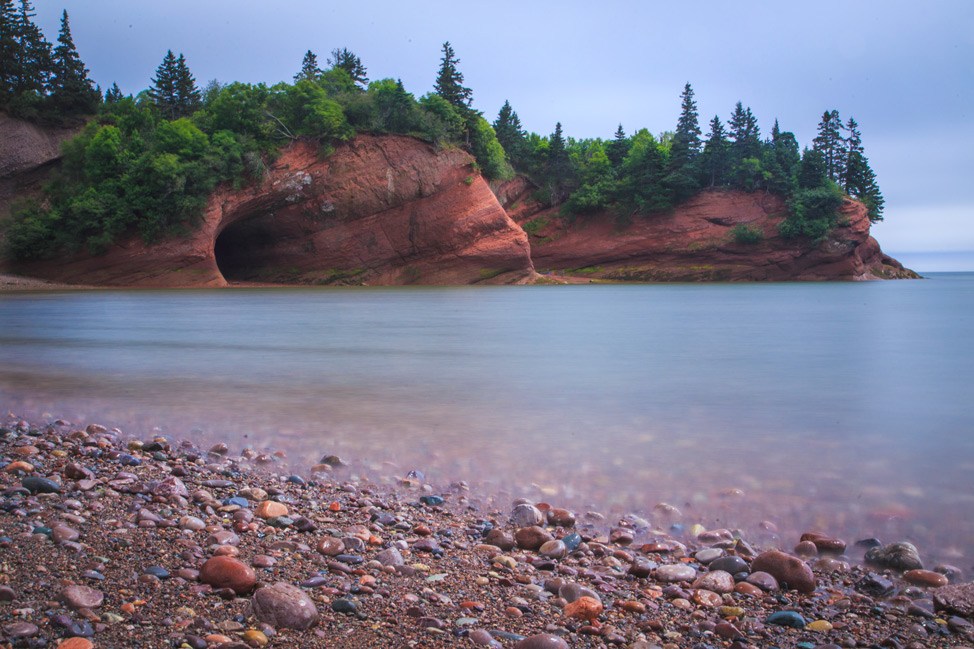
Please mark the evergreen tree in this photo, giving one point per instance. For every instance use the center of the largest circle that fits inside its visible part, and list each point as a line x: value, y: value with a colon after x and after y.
x: 32, y: 67
x: 163, y: 89
x: 715, y: 160
x: 9, y: 50
x: 783, y: 160
x: 188, y: 95
x: 744, y: 132
x: 830, y: 143
x: 859, y: 180
x: 558, y: 167
x: 618, y: 148
x: 681, y: 179
x: 72, y: 92
x: 509, y: 132
x: 309, y: 68
x: 113, y: 95
x: 449, y: 81
x: 813, y: 172
x: 344, y: 59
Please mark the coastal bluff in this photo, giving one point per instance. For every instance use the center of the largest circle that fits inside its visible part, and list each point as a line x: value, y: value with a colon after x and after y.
x: 395, y: 210
x: 695, y: 242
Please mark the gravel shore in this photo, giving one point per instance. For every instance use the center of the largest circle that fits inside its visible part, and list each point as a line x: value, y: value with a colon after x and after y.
x: 111, y: 541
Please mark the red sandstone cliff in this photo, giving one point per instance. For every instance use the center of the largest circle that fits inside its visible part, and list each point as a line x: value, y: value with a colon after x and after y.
x: 379, y: 210
x: 693, y: 242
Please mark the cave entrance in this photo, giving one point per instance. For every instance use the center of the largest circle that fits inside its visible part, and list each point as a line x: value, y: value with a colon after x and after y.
x: 244, y: 251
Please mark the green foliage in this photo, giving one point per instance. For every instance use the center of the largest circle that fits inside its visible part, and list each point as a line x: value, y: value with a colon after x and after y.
x: 813, y: 212
x: 487, y: 150
x: 304, y: 109
x: 746, y: 234
x: 441, y: 119
x: 345, y: 60
x: 449, y: 80
x: 309, y: 68
x: 174, y: 90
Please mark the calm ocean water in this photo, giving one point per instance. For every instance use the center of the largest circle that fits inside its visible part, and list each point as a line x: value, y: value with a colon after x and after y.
x: 844, y: 407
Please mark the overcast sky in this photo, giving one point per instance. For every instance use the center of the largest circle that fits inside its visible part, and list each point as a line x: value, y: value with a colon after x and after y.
x: 903, y: 69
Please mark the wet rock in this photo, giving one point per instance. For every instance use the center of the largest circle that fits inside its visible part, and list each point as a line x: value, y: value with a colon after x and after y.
x: 874, y: 585
x: 20, y: 630
x: 271, y: 509
x: 61, y: 533
x: 786, y: 618
x: 501, y: 538
x: 76, y: 596
x: 926, y: 578
x: 732, y: 564
x: 707, y: 555
x: 7, y: 594
x: 717, y: 581
x: 38, y: 485
x: 824, y: 543
x: 525, y: 515
x: 957, y: 599
x: 898, y: 556
x: 171, y: 487
x: 330, y: 546
x: 674, y: 572
x: 572, y: 591
x: 227, y: 572
x: 542, y: 641
x: 561, y: 517
x: 531, y: 538
x: 555, y: 549
x: 788, y: 570
x: 284, y: 606
x: 75, y: 643
x: 763, y: 580
x: 390, y: 557
x: 347, y: 606
x: 427, y: 545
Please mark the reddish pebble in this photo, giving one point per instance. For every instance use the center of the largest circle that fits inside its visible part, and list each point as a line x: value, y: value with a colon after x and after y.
x: 227, y: 572
x: 584, y: 608
x: 824, y: 543
x: 786, y: 569
x: 542, y: 641
x: 75, y: 643
x: 271, y: 509
x: 926, y: 578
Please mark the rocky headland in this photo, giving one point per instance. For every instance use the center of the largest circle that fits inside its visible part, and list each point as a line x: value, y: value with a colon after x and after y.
x: 392, y: 210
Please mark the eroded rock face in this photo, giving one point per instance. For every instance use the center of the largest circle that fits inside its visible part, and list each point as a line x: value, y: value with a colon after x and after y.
x: 694, y: 242
x: 379, y: 210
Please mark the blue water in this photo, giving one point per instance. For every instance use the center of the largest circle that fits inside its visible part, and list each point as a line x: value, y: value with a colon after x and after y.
x: 845, y: 403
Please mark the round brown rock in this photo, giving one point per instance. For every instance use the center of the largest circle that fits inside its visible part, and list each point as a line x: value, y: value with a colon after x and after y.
x: 542, y: 641
x: 82, y: 596
x: 526, y: 515
x: 284, y: 606
x: 717, y: 581
x: 531, y: 538
x: 786, y: 569
x: 227, y: 572
x: 824, y: 543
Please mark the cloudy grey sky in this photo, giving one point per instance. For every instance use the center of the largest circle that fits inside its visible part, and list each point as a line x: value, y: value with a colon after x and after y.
x: 903, y: 69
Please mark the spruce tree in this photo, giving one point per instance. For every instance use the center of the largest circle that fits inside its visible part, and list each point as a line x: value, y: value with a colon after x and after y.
x: 188, y: 95
x: 715, y: 161
x: 686, y: 139
x: 558, y: 166
x: 33, y: 64
x: 163, y: 89
x: 858, y: 179
x: 617, y: 149
x: 830, y: 143
x: 449, y: 81
x: 344, y: 59
x: 113, y: 95
x: 309, y: 68
x: 72, y: 92
x: 509, y: 132
x: 9, y: 50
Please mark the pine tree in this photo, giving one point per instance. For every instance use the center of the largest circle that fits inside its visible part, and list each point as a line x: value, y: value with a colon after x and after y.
x: 744, y: 132
x: 344, y: 59
x: 786, y: 156
x: 188, y: 95
x: 309, y: 68
x: 617, y: 149
x: 715, y: 161
x: 830, y: 143
x: 449, y: 81
x: 72, y: 92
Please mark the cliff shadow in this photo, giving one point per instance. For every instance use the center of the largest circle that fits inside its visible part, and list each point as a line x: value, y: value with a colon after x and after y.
x: 245, y: 251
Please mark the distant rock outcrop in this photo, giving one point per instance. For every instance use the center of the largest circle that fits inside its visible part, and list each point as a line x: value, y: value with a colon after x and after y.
x: 695, y: 242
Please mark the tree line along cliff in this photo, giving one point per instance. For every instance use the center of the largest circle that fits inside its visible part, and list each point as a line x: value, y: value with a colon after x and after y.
x: 148, y: 163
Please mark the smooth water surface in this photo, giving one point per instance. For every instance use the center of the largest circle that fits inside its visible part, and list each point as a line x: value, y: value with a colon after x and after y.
x: 837, y: 406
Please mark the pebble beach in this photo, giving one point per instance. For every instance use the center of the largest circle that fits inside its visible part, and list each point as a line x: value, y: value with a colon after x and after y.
x: 108, y: 540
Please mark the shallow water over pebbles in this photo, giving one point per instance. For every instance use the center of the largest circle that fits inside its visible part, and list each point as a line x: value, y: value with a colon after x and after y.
x: 838, y: 407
